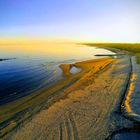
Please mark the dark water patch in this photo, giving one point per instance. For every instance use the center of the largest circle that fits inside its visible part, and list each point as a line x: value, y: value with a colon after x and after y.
x: 28, y: 75
x: 18, y: 66
x: 15, y: 69
x: 24, y: 87
x: 20, y: 78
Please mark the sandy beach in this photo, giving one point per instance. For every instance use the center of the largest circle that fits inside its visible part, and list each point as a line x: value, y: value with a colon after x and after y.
x: 70, y: 70
x: 86, y: 109
x: 29, y: 105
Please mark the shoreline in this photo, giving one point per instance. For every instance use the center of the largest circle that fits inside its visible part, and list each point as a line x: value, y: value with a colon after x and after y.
x: 132, y: 87
x: 68, y: 76
x: 51, y: 95
x: 129, y: 104
x: 85, y: 93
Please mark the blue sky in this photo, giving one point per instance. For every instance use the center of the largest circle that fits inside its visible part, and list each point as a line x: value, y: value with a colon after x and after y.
x: 97, y: 20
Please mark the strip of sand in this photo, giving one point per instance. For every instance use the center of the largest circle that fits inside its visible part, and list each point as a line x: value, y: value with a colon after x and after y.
x: 86, y: 111
x: 14, y: 113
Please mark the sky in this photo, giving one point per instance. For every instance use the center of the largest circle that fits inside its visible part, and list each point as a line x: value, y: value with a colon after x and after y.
x: 91, y: 20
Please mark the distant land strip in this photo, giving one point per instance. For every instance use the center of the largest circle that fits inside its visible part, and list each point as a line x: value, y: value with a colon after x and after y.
x: 4, y: 59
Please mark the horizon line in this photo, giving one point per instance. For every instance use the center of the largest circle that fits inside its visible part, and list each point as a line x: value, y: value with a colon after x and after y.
x: 5, y: 40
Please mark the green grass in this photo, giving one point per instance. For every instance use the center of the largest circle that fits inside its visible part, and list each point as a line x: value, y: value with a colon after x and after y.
x: 133, y: 49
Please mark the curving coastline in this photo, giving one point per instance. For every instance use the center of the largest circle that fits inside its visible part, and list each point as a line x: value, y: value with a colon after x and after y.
x: 73, y: 93
x: 46, y: 97
x: 85, y: 112
x: 129, y: 105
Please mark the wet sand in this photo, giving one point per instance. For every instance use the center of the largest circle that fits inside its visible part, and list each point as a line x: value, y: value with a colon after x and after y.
x: 88, y: 108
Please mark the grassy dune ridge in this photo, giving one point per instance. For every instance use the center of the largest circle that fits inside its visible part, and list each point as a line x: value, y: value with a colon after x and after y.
x: 132, y: 48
